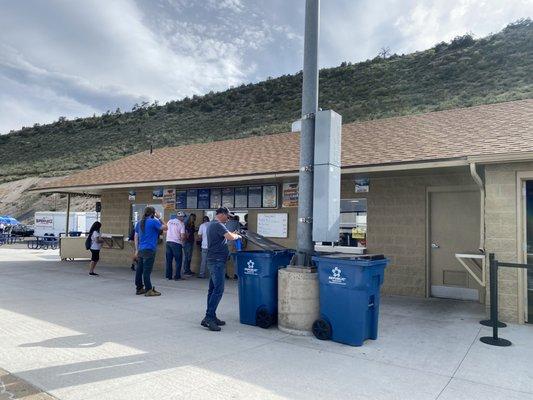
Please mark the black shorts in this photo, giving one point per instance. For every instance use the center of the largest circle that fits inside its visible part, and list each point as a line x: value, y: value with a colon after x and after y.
x: 95, y: 255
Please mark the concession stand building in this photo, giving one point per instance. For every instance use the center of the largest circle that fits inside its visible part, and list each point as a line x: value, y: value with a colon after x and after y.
x: 434, y: 192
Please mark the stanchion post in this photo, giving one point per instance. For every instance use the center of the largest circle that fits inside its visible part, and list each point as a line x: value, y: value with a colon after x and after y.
x: 493, y: 277
x: 494, y: 340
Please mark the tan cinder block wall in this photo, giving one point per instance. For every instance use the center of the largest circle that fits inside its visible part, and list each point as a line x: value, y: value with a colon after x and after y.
x: 396, y: 225
x: 501, y: 233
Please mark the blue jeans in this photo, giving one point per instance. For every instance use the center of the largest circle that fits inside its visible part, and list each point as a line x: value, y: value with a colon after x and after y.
x: 188, y: 247
x: 203, y: 263
x: 173, y: 252
x: 216, y: 286
x: 145, y: 264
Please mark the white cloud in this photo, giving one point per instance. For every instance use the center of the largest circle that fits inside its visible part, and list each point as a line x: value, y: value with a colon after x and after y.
x: 76, y: 58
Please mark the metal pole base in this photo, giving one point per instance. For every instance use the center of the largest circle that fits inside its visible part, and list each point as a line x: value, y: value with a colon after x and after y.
x: 488, y: 322
x: 495, y: 342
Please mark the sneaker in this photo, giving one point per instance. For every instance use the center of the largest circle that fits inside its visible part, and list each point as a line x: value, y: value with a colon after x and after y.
x: 93, y: 274
x: 152, y: 292
x: 190, y: 273
x: 210, y: 324
x: 219, y: 322
x: 140, y: 290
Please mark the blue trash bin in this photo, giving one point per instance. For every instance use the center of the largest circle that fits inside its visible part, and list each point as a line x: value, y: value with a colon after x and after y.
x: 349, y: 290
x: 258, y: 285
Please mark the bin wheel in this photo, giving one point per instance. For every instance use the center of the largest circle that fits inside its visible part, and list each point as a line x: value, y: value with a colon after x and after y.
x: 322, y: 329
x: 264, y: 319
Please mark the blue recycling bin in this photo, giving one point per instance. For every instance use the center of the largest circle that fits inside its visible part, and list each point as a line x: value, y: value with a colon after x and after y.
x: 349, y: 289
x: 258, y: 285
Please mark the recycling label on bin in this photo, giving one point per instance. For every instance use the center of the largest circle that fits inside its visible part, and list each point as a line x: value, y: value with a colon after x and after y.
x: 250, y: 268
x: 336, y: 277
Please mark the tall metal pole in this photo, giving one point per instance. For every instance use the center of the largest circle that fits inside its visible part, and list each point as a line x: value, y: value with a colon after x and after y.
x: 307, y: 137
x: 67, y: 222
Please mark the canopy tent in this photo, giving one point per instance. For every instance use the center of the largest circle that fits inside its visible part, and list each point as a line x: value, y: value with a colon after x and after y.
x: 6, y: 219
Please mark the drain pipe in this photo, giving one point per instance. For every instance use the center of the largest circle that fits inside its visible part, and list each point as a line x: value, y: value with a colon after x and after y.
x: 479, y: 182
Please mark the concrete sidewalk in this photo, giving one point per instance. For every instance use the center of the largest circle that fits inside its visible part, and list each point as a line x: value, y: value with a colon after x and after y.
x: 81, y: 337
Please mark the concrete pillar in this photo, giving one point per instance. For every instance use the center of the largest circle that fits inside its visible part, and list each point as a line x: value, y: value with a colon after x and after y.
x: 298, y: 305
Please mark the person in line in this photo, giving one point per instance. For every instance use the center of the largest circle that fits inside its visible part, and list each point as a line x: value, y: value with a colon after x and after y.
x: 174, y: 246
x: 202, y: 238
x: 217, y: 255
x: 96, y: 246
x: 233, y: 225
x: 131, y: 239
x: 188, y: 245
x: 147, y: 233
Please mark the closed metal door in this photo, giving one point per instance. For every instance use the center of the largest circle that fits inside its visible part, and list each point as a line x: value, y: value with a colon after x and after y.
x: 454, y: 228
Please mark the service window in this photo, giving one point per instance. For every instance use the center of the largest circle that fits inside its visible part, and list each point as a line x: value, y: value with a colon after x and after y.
x: 137, y: 211
x: 353, y: 222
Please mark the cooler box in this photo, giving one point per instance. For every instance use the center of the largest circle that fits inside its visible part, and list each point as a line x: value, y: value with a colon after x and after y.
x: 349, y: 290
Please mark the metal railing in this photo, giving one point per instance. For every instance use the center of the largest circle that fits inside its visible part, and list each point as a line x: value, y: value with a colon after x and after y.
x: 494, y: 264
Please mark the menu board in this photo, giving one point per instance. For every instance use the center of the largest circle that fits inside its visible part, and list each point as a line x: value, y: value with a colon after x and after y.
x: 290, y: 195
x: 270, y: 196
x: 192, y: 198
x: 241, y: 197
x: 181, y: 199
x: 216, y: 198
x: 255, y: 196
x: 203, y: 198
x: 228, y: 197
x: 169, y: 199
x: 273, y: 225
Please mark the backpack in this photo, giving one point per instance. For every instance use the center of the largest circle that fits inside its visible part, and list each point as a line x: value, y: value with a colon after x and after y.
x: 88, y: 242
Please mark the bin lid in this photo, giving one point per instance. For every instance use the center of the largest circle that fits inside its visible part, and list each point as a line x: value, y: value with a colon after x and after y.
x: 341, y: 256
x: 261, y: 241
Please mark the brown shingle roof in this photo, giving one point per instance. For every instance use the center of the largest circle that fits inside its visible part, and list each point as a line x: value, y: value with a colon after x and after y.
x: 481, y: 130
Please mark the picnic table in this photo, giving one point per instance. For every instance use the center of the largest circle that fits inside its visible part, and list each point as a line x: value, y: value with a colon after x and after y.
x: 43, y: 242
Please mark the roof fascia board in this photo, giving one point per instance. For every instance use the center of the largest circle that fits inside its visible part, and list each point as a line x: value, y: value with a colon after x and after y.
x: 188, y: 182
x: 406, y: 167
x: 183, y: 182
x: 501, y: 158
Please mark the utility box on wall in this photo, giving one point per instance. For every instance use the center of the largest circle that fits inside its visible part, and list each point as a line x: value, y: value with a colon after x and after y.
x: 327, y: 177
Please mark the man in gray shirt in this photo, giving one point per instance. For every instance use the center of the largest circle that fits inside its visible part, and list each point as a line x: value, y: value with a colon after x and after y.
x: 217, y: 255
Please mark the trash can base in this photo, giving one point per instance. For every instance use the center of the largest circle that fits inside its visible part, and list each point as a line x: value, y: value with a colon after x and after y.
x: 322, y: 329
x: 264, y: 319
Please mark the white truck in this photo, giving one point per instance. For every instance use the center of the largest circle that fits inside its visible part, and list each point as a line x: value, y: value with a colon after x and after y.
x: 54, y: 222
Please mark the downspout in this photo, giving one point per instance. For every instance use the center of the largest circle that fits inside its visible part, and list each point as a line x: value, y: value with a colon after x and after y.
x: 479, y: 182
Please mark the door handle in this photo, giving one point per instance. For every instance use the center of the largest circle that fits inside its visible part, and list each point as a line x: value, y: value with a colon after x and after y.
x: 435, y: 246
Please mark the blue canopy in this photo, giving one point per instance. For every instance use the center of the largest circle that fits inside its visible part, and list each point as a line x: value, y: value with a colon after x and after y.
x: 6, y: 219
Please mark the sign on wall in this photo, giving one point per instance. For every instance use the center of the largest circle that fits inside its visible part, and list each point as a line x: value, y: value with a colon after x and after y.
x: 45, y: 222
x: 362, y: 185
x: 181, y: 199
x: 270, y: 196
x: 274, y: 225
x: 169, y: 199
x: 157, y: 193
x: 290, y: 195
x: 203, y: 198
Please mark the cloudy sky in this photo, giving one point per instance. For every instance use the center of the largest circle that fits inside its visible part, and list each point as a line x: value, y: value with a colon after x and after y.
x: 75, y: 58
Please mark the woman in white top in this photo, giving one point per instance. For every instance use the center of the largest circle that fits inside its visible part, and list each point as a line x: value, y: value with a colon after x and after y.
x: 96, y: 245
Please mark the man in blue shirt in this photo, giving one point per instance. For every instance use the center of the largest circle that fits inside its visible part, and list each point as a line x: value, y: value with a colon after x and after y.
x: 147, y: 233
x: 217, y: 255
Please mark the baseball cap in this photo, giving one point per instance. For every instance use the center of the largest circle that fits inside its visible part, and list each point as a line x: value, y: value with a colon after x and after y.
x: 180, y: 214
x: 224, y: 210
